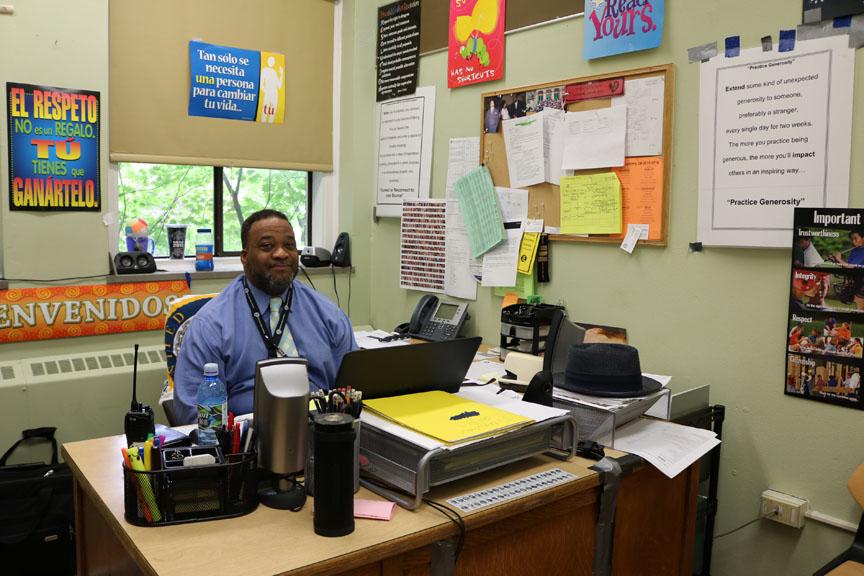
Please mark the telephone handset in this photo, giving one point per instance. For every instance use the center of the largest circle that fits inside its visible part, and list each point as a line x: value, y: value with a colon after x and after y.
x: 435, y: 320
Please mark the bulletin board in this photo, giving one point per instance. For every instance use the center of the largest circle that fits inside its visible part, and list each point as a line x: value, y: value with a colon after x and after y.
x: 640, y: 202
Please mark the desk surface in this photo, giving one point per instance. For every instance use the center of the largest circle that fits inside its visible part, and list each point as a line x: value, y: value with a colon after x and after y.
x: 268, y: 541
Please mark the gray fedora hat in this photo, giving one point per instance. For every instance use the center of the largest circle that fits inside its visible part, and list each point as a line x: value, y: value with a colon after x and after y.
x: 610, y: 370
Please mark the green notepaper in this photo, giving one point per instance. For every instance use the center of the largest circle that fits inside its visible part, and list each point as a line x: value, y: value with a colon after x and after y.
x: 481, y: 211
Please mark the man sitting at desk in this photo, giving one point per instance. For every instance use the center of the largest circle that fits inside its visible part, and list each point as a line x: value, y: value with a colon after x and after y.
x: 234, y: 329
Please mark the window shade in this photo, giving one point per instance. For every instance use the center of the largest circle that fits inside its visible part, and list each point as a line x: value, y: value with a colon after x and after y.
x: 149, y: 82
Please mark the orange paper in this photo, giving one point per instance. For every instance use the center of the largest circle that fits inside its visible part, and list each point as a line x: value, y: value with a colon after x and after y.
x: 510, y: 298
x: 69, y: 311
x: 642, y: 194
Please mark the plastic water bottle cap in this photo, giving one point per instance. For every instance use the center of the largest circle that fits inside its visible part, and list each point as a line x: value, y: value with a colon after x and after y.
x: 211, y: 369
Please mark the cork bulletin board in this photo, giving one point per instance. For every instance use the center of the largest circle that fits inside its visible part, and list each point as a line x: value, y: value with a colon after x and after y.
x: 641, y: 202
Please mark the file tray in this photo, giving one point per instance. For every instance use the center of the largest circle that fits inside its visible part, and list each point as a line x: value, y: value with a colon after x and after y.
x: 404, y: 472
x: 175, y: 495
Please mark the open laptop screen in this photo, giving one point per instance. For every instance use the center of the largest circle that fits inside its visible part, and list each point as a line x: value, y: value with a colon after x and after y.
x: 382, y: 372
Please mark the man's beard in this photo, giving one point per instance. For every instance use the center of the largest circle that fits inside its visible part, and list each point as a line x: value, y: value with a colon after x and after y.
x: 274, y: 286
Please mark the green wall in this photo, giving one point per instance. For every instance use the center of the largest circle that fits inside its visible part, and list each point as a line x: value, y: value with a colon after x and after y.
x: 65, y: 43
x: 716, y: 317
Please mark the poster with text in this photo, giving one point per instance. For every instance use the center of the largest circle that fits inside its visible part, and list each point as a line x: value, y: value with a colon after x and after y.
x: 774, y: 133
x: 475, y: 45
x: 405, y: 130
x: 825, y: 331
x: 236, y: 83
x: 54, y: 148
x: 398, y: 49
x: 620, y: 26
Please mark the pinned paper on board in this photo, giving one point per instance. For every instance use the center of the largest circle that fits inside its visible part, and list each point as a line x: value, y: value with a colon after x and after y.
x: 480, y: 209
x: 523, y: 139
x: 591, y: 204
x: 595, y: 138
x: 642, y: 193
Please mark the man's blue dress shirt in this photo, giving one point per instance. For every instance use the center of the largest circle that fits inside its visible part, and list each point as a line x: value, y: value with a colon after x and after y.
x: 223, y: 332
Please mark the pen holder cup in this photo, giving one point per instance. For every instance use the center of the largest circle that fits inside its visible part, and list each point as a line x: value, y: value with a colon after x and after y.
x: 309, y: 479
x: 177, y: 494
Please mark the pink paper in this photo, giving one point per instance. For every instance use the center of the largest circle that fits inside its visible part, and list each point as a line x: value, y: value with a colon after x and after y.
x: 374, y: 509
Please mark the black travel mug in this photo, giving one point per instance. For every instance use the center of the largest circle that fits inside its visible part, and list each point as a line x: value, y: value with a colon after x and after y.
x: 334, y: 474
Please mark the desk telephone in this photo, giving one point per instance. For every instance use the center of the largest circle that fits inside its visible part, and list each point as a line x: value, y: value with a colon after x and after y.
x: 435, y: 320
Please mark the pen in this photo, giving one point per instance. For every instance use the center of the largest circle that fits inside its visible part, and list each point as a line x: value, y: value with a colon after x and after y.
x: 248, y: 439
x: 235, y: 438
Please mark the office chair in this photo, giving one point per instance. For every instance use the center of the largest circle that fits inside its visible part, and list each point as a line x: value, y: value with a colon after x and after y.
x: 850, y: 562
x: 176, y: 322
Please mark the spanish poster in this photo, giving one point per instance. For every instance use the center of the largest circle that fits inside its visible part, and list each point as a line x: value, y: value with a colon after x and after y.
x: 236, y: 83
x: 398, y: 49
x: 775, y: 132
x: 54, y: 148
x: 475, y: 45
x: 71, y: 311
x: 825, y: 341
x: 620, y: 26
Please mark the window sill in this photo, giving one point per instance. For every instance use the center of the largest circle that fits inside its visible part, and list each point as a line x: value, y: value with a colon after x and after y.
x: 224, y: 268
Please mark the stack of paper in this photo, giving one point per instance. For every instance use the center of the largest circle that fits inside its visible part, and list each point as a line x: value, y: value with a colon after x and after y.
x: 671, y: 448
x: 445, y: 416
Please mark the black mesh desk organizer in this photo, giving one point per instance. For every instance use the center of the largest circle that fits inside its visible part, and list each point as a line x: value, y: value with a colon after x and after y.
x: 189, y: 494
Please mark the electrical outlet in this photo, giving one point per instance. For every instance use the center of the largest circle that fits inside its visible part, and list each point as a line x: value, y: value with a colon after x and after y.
x: 783, y: 508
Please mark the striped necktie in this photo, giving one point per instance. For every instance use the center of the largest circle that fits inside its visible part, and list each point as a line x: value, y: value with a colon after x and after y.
x: 286, y: 342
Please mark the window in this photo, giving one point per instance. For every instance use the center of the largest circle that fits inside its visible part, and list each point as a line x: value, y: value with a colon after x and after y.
x: 204, y: 197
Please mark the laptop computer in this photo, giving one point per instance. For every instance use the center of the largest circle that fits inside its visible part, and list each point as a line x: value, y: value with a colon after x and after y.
x: 382, y: 372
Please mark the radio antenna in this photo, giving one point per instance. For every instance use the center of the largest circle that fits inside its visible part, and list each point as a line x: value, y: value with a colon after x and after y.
x: 135, y: 405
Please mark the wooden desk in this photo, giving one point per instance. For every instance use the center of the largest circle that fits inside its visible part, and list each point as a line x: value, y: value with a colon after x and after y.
x: 550, y: 532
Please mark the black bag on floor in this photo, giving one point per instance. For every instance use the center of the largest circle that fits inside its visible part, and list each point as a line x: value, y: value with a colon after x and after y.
x: 37, y: 513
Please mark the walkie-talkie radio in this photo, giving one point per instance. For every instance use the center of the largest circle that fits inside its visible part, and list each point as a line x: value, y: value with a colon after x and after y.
x: 139, y: 420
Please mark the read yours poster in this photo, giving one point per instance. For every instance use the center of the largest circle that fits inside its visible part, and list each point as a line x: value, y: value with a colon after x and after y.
x: 476, y: 42
x: 620, y: 26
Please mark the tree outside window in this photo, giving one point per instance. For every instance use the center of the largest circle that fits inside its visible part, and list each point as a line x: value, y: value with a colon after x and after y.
x: 195, y: 195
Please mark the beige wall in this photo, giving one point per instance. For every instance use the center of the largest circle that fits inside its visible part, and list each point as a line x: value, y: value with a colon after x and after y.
x: 716, y: 317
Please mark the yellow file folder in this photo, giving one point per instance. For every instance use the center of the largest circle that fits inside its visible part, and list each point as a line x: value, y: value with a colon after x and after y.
x: 445, y: 416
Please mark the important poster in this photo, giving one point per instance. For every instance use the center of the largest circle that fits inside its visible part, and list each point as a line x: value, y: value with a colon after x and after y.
x: 54, y: 145
x: 774, y: 134
x: 236, y: 84
x: 398, y: 48
x: 476, y: 42
x: 620, y: 26
x: 825, y: 341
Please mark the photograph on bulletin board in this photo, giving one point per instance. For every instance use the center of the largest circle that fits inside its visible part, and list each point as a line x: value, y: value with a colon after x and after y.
x: 594, y: 153
x: 825, y: 331
x: 475, y: 44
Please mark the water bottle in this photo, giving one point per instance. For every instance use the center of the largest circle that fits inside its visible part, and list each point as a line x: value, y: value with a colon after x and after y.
x: 204, y: 249
x: 212, y: 405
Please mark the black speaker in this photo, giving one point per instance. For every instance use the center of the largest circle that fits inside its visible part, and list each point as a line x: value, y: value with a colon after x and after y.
x: 341, y: 251
x: 134, y: 263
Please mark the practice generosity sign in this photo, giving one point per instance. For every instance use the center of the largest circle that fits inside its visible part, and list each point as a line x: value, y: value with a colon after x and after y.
x: 70, y: 311
x: 53, y: 148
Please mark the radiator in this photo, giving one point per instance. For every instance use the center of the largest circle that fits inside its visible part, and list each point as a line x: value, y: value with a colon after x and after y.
x: 83, y: 395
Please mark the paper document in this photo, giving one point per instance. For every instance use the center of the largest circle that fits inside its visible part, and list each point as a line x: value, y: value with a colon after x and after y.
x: 526, y: 285
x: 671, y: 448
x: 458, y: 282
x: 642, y: 193
x: 368, y: 340
x: 484, y: 371
x: 523, y: 139
x: 643, y: 98
x: 594, y: 138
x: 591, y: 204
x: 553, y: 144
x: 463, y: 156
x: 499, y: 264
x: 446, y: 417
x: 479, y: 205
x: 423, y: 237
